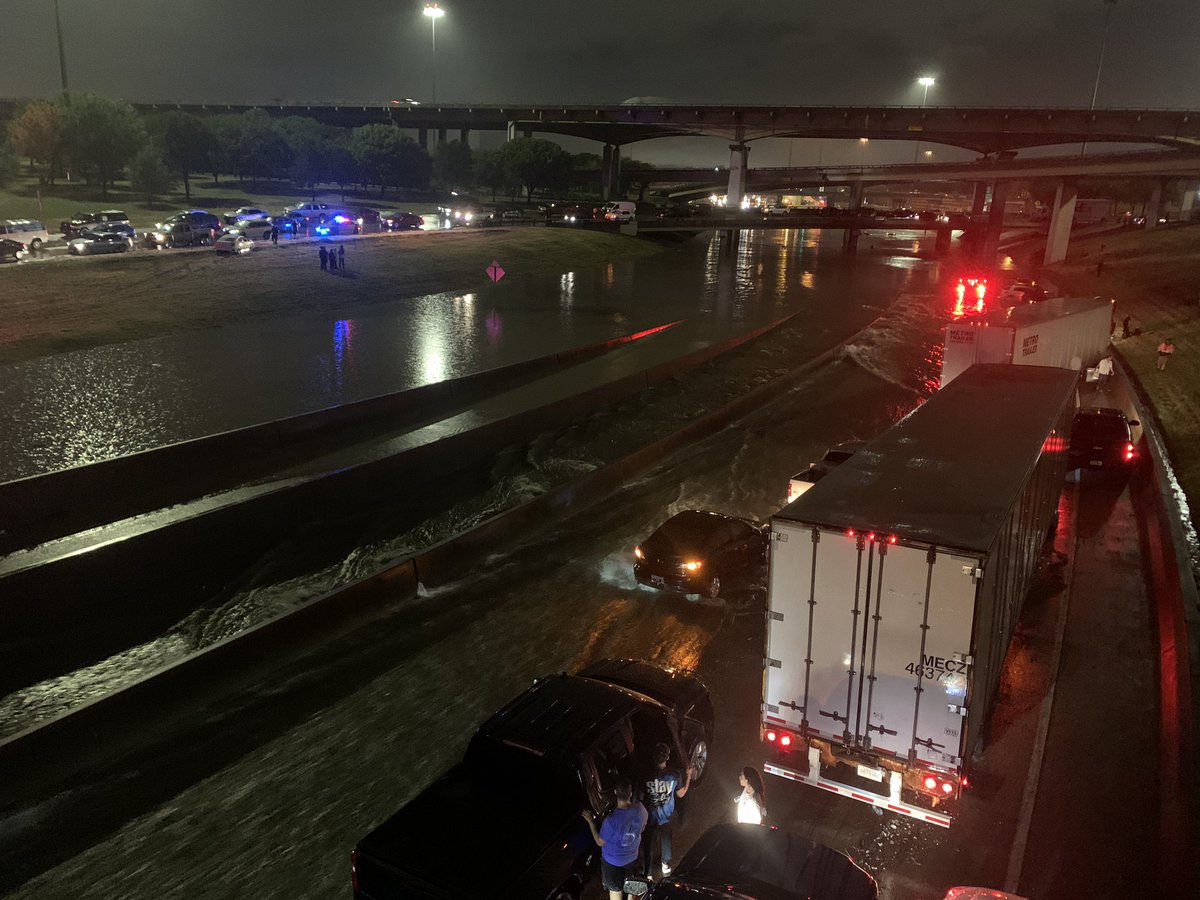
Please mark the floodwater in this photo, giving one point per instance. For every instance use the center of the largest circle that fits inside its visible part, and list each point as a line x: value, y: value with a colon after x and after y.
x: 779, y: 273
x: 90, y: 405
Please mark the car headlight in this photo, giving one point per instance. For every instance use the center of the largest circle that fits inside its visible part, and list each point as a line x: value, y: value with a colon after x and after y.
x: 467, y: 217
x: 360, y: 221
x: 692, y: 565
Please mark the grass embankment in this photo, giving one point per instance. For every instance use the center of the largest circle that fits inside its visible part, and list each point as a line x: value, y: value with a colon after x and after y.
x: 74, y: 303
x: 1155, y: 278
x: 18, y: 200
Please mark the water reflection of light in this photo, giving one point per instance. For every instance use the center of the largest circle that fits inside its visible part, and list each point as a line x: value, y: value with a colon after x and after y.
x: 806, y: 280
x: 609, y: 277
x: 432, y: 349
x: 343, y: 340
x: 566, y: 289
x: 495, y: 327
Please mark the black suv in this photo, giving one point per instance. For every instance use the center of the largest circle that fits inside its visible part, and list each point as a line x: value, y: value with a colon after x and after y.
x: 529, y: 771
x: 1101, y: 439
x: 704, y: 553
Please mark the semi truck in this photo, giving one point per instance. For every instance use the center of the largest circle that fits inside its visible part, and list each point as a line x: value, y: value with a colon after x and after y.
x: 895, y: 584
x: 1065, y: 332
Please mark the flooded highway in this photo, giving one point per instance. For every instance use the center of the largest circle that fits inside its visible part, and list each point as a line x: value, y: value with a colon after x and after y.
x: 90, y: 405
x: 279, y: 818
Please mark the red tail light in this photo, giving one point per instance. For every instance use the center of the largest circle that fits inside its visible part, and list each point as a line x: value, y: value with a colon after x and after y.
x: 947, y: 787
x: 354, y: 870
x: 930, y: 782
x: 785, y: 741
x: 771, y: 736
x: 1128, y: 452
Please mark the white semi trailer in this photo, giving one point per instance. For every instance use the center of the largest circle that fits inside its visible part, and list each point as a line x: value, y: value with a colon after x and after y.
x: 1067, y: 332
x: 895, y: 584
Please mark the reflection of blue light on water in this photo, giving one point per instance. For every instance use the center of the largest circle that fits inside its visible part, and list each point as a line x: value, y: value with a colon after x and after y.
x: 343, y: 337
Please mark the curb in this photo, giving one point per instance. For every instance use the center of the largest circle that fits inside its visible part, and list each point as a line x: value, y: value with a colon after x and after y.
x: 1176, y: 599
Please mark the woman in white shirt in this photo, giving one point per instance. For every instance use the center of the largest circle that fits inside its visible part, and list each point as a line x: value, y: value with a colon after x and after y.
x: 751, y: 802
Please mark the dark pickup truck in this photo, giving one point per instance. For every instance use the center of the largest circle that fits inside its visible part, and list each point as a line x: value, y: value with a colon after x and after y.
x: 505, y: 822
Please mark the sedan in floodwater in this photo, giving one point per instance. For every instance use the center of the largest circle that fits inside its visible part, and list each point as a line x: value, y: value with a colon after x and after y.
x: 89, y: 244
x: 232, y: 244
x: 704, y: 553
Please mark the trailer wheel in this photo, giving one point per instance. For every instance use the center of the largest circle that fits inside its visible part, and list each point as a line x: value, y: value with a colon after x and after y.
x: 698, y: 760
x: 714, y: 588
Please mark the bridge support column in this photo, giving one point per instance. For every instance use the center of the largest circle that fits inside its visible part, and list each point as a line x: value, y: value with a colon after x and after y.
x: 995, y: 223
x: 423, y: 138
x: 464, y: 135
x: 738, y: 160
x: 1154, y: 205
x: 850, y: 235
x: 441, y: 135
x: 610, y: 172
x: 511, y: 134
x: 527, y: 133
x: 979, y: 198
x: 1187, y: 205
x: 942, y: 245
x: 1062, y: 214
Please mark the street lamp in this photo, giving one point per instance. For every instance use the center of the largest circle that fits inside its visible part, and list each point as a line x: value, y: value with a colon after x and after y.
x: 1109, y: 4
x: 62, y: 59
x: 433, y: 12
x: 926, y: 81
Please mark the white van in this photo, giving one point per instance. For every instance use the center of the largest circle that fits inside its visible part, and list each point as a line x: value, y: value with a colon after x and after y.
x: 24, y: 231
x: 620, y: 211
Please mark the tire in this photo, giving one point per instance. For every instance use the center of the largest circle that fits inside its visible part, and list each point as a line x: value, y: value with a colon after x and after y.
x: 698, y: 758
x: 124, y: 248
x: 35, y: 245
x: 565, y: 892
x: 713, y: 591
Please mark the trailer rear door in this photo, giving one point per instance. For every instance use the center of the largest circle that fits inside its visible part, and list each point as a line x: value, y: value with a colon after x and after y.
x: 869, y: 642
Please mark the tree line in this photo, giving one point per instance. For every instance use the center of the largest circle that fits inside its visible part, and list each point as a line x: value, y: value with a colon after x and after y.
x: 101, y: 140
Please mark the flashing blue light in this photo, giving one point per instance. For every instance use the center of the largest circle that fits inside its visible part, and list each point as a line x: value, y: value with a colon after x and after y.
x: 341, y: 220
x: 322, y: 229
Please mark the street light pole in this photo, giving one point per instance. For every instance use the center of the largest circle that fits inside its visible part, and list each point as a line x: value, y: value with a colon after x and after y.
x: 62, y: 59
x: 1108, y: 8
x: 926, y: 82
x: 433, y: 12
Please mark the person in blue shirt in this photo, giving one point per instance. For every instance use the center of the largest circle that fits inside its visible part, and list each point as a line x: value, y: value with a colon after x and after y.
x: 661, y: 790
x: 619, y: 838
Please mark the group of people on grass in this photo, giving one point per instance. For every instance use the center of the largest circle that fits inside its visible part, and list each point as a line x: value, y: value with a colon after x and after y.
x: 638, y: 830
x: 333, y: 260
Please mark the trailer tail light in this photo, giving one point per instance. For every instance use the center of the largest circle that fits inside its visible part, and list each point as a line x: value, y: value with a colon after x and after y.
x: 785, y: 741
x: 849, y: 532
x: 771, y: 736
x: 939, y: 786
x: 891, y: 539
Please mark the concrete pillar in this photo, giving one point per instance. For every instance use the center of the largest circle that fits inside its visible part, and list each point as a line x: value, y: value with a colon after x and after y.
x: 610, y: 172
x: 1187, y: 203
x: 441, y: 135
x: 978, y: 198
x: 995, y: 223
x: 850, y: 235
x: 1062, y: 214
x: 1154, y: 205
x: 464, y: 135
x: 942, y: 245
x: 511, y: 134
x: 738, y: 160
x: 423, y: 137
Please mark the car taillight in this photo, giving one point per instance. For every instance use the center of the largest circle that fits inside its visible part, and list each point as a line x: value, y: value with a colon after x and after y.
x: 1128, y: 452
x: 354, y: 870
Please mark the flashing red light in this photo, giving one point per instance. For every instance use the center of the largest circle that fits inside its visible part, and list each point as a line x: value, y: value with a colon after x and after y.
x: 771, y: 736
x: 785, y: 741
x: 947, y: 787
x: 965, y: 783
x: 930, y: 782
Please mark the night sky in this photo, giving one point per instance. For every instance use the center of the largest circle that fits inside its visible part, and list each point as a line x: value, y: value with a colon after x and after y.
x: 990, y: 52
